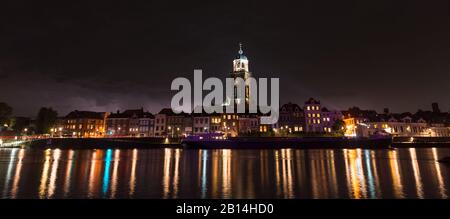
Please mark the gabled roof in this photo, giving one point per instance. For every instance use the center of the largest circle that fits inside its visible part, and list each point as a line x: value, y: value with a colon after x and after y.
x: 148, y: 115
x: 131, y: 113
x: 434, y: 117
x: 170, y: 112
x: 290, y: 107
x: 371, y: 115
x: 224, y: 112
x: 398, y: 117
x: 85, y: 115
x: 312, y: 101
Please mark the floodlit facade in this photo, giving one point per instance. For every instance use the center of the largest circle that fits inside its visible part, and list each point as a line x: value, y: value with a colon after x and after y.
x: 133, y: 122
x: 84, y: 124
x: 395, y: 125
x: 313, y: 116
x: 292, y: 118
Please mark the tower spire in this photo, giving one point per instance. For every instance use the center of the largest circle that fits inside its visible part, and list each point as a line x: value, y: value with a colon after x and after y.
x: 240, y: 70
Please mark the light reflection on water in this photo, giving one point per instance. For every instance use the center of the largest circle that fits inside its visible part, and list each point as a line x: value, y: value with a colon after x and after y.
x: 178, y: 173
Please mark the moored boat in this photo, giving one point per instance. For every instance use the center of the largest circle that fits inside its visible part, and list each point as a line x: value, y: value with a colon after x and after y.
x: 285, y: 142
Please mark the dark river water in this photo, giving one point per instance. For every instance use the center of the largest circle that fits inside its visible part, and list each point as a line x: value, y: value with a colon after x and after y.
x: 178, y: 173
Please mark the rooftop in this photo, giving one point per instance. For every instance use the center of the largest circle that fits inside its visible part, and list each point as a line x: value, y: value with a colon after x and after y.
x: 85, y: 115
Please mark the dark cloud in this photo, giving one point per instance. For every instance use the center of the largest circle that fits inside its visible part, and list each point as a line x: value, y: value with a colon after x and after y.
x: 105, y: 56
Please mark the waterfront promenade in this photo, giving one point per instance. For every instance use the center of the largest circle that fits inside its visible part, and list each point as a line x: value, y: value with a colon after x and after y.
x: 235, y: 143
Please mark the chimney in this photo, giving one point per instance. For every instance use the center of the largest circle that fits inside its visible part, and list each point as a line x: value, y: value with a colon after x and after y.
x: 435, y: 107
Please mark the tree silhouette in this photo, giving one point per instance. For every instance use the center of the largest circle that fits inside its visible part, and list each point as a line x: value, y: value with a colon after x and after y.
x: 46, y: 118
x: 5, y: 113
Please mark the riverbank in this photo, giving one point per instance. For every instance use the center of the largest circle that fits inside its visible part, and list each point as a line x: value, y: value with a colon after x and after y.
x: 289, y: 142
x: 239, y: 143
x: 421, y: 142
x: 103, y: 143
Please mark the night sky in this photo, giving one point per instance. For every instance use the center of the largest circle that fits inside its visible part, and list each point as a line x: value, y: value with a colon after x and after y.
x: 106, y: 56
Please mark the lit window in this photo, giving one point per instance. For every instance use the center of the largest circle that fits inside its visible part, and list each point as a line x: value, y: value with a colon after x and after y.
x: 308, y: 108
x: 309, y: 114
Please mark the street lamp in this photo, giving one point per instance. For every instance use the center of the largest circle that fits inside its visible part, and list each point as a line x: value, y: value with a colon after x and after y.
x: 171, y: 131
x: 25, y: 130
x: 60, y: 131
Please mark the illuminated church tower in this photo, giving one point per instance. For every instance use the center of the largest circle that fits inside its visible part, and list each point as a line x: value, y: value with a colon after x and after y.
x: 240, y: 69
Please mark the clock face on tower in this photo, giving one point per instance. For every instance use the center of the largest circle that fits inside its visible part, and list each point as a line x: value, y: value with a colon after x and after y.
x: 241, y: 61
x: 240, y: 65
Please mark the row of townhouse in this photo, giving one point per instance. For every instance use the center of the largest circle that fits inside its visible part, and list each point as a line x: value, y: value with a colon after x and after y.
x: 101, y: 124
x: 139, y: 123
x: 134, y: 122
x: 81, y: 124
x: 311, y: 118
x: 168, y: 123
x: 365, y: 123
